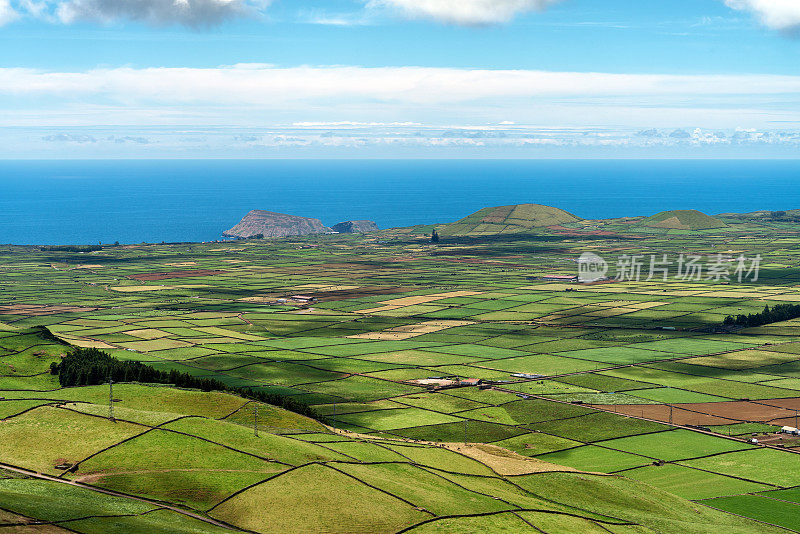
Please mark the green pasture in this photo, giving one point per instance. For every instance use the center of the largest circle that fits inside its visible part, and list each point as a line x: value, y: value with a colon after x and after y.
x: 692, y: 483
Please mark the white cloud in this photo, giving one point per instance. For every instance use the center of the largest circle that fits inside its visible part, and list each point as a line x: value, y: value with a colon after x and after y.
x: 192, y: 13
x: 7, y: 12
x: 327, y: 18
x: 351, y: 124
x: 256, y: 84
x: 776, y: 14
x: 359, y: 97
x: 464, y: 12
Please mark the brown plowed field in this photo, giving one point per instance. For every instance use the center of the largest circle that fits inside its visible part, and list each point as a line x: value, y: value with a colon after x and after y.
x: 775, y: 411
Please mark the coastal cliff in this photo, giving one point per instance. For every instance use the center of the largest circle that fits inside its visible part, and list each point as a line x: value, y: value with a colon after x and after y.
x: 270, y: 224
x: 355, y: 227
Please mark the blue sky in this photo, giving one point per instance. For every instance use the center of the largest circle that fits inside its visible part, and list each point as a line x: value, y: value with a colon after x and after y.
x: 399, y: 78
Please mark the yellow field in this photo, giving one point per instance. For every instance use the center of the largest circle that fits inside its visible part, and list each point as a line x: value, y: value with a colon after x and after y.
x: 147, y: 333
x: 411, y: 330
x: 402, y: 302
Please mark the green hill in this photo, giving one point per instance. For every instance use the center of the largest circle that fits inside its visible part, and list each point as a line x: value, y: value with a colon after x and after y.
x: 508, y: 220
x: 682, y: 220
x: 764, y: 215
x: 189, y: 461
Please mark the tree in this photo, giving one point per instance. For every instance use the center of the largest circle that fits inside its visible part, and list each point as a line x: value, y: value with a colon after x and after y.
x: 435, y: 236
x: 89, y: 366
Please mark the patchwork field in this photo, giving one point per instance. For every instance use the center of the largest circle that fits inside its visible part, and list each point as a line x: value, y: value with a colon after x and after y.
x: 455, y: 388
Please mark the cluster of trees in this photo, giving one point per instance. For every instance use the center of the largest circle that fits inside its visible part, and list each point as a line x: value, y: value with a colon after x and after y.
x: 776, y: 314
x: 435, y: 236
x: 71, y: 248
x: 783, y: 216
x: 87, y: 367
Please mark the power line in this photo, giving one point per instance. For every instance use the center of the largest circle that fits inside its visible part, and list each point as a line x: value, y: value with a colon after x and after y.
x: 255, y: 421
x: 111, y: 400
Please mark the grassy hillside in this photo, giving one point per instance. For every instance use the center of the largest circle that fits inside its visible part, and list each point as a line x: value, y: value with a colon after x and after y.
x: 683, y: 220
x: 508, y: 219
x: 194, y: 464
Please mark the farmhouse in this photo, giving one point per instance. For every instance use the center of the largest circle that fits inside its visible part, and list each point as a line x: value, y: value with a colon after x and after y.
x: 790, y: 430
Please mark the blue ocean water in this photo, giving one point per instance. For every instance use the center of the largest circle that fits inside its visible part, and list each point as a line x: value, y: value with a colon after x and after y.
x: 86, y: 202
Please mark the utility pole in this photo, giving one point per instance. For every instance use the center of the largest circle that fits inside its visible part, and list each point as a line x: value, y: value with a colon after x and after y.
x: 255, y: 420
x: 111, y: 400
x: 670, y: 414
x: 334, y: 415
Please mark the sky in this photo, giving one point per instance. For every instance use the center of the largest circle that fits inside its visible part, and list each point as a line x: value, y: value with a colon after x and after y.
x: 399, y: 79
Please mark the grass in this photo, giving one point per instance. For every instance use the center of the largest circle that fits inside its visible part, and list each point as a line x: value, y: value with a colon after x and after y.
x: 477, y: 432
x: 362, y: 389
x: 759, y: 465
x: 628, y: 500
x: 746, y: 359
x: 10, y: 408
x: 675, y: 396
x: 283, y: 449
x: 502, y: 523
x: 597, y: 426
x: 430, y: 491
x: 365, y: 451
x: 317, y: 497
x: 441, y: 402
x: 595, y: 459
x: 439, y: 458
x: 674, y: 445
x: 155, y: 521
x: 619, y: 355
x: 393, y: 419
x: 761, y: 508
x: 58, y: 436
x: 173, y: 462
x: 692, y: 483
x: 55, y: 502
x: 536, y: 443
x: 197, y: 489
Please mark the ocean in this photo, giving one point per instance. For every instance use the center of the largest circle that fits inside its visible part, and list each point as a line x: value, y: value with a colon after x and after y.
x: 85, y: 202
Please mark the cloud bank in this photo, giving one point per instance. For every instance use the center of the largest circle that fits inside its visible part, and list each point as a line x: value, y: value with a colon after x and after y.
x: 342, y: 96
x: 7, y: 12
x: 191, y: 13
x: 258, y: 84
x: 781, y: 15
x: 456, y: 141
x: 464, y: 12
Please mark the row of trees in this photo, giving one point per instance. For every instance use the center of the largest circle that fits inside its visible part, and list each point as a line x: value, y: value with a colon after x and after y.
x: 776, y: 314
x: 72, y: 248
x: 88, y: 366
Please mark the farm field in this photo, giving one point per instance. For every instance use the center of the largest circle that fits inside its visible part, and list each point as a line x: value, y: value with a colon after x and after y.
x: 451, y: 386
